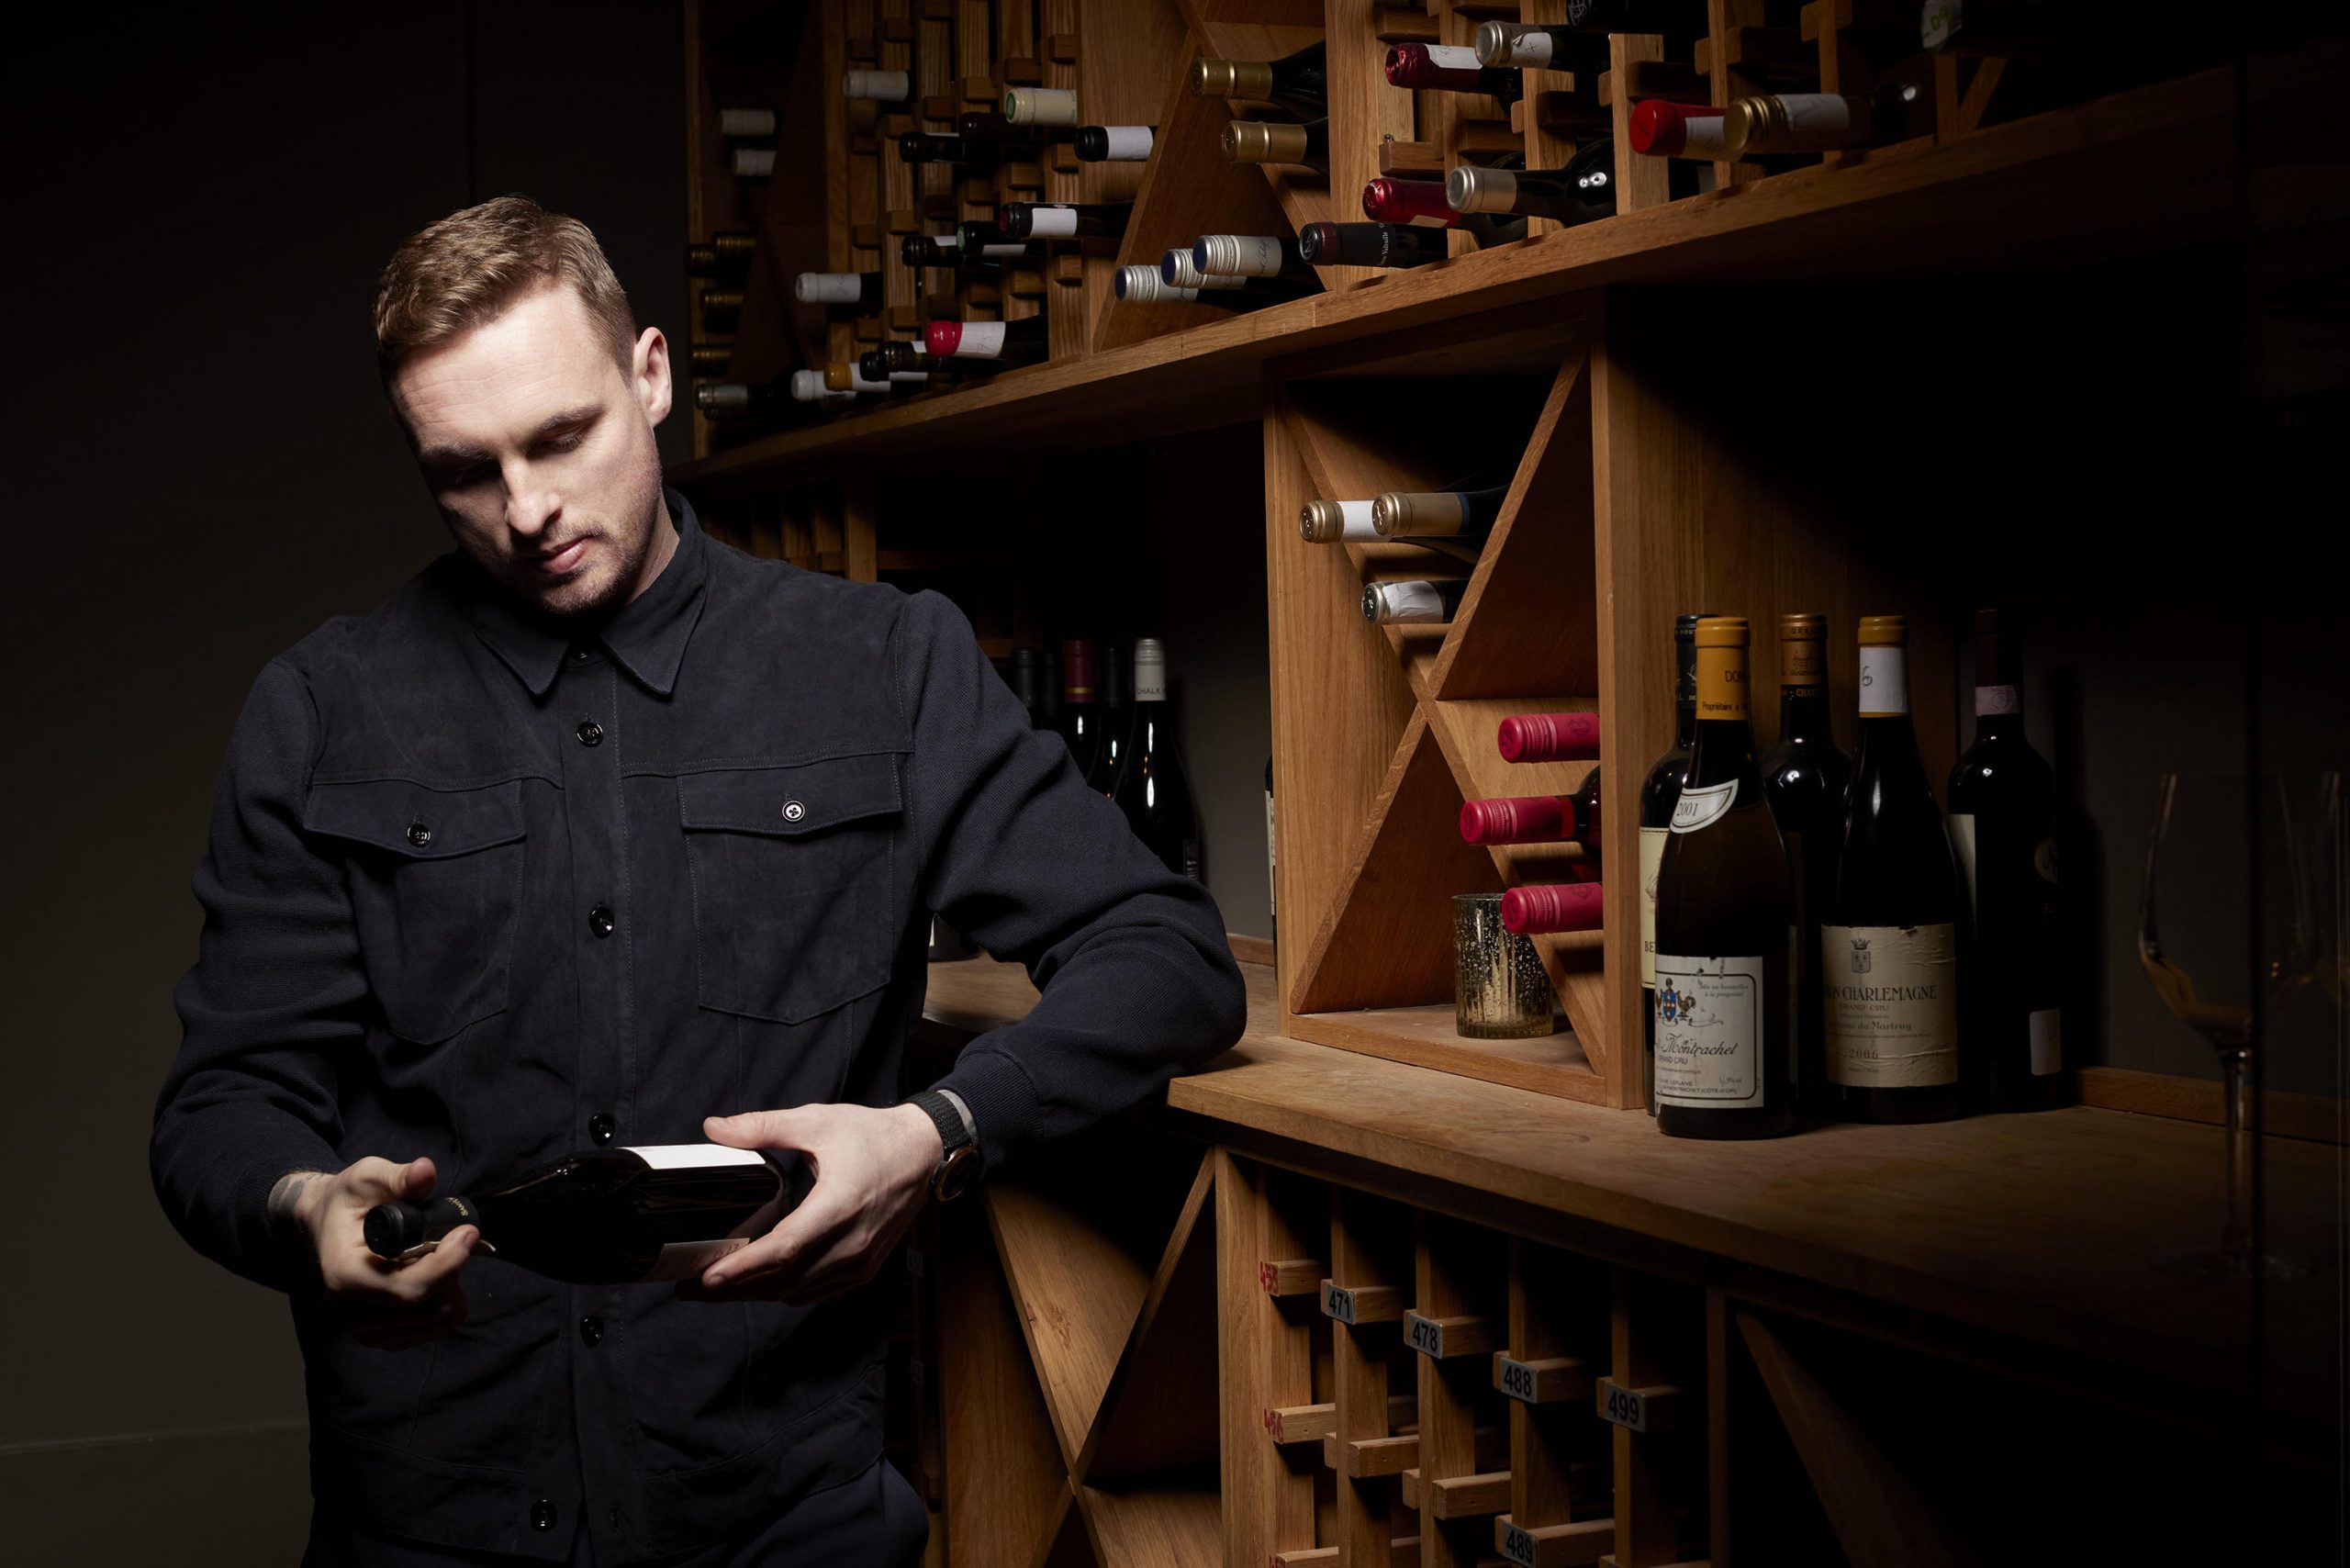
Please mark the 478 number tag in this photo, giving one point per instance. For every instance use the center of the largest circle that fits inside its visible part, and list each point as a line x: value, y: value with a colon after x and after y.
x: 1428, y: 1336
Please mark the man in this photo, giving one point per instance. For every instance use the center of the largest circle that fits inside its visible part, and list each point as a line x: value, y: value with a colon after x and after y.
x: 595, y: 830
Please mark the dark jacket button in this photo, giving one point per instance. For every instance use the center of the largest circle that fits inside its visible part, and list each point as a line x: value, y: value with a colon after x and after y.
x: 600, y: 920
x: 418, y: 835
x: 543, y: 1515
x: 590, y: 733
x: 592, y: 1330
x: 600, y: 1126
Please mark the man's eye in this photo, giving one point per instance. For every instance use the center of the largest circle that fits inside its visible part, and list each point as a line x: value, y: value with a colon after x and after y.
x: 566, y: 442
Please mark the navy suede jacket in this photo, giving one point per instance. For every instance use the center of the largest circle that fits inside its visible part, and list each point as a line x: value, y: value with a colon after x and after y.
x: 490, y: 888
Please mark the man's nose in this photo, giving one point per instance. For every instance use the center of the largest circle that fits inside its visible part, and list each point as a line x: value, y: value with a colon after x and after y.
x: 530, y: 503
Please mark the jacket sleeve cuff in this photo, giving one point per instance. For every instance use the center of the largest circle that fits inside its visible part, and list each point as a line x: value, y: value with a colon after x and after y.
x: 1004, y: 1107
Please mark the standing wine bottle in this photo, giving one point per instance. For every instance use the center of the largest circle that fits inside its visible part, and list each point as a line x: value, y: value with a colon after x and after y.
x: 1660, y: 792
x: 1264, y: 141
x: 1725, y: 925
x: 1419, y: 601
x: 1535, y: 819
x: 1298, y: 83
x: 1888, y: 939
x: 604, y: 1216
x: 1151, y: 787
x: 1450, y: 68
x: 1806, y: 775
x: 1063, y: 220
x: 2003, y: 828
x: 1102, y: 777
x: 1006, y: 343
x: 1582, y: 190
x: 1466, y: 515
x: 1369, y: 245
x: 1080, y: 723
x: 1027, y: 684
x: 1113, y: 143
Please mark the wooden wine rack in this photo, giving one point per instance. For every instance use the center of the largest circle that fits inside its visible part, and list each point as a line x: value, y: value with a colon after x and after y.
x: 1608, y: 373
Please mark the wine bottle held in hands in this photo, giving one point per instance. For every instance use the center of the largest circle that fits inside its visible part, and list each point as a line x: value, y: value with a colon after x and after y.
x: 604, y: 1216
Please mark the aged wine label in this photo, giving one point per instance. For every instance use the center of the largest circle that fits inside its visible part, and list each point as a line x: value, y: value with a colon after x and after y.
x: 1652, y: 843
x: 1891, y: 1004
x: 1710, y: 1031
x: 1703, y: 806
x: 980, y: 340
x: 1885, y: 681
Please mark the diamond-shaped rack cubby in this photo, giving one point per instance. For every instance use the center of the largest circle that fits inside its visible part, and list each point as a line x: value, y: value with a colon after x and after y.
x: 1371, y: 771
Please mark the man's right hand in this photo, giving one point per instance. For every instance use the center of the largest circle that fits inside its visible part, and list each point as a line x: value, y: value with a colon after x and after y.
x: 384, y: 1304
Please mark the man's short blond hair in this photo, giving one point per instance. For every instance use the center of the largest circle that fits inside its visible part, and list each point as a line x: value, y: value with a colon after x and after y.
x: 466, y: 269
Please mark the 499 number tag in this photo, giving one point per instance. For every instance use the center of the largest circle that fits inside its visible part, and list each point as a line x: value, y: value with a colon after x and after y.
x: 1627, y: 1407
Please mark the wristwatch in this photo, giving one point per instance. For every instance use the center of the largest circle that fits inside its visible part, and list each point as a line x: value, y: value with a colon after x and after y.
x: 958, y: 1161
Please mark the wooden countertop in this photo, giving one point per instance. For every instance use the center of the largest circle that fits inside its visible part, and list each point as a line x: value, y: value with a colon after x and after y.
x: 2044, y: 1227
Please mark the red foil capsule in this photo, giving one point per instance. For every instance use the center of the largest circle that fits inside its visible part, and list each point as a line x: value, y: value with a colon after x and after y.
x: 1549, y: 737
x: 1417, y: 202
x: 1551, y: 907
x: 942, y: 337
x: 1522, y: 819
x: 1412, y: 65
x: 1661, y: 130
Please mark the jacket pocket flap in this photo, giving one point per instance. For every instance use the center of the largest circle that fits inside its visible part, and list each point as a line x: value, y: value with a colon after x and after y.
x: 806, y: 797
x: 414, y: 820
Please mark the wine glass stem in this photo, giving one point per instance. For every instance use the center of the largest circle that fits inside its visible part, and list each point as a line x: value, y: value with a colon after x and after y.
x: 2236, y: 1084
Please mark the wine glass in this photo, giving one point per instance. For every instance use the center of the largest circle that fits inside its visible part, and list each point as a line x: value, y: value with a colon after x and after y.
x: 2195, y: 861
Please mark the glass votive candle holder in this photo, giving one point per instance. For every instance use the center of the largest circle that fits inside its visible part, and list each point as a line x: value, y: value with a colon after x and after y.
x: 1500, y: 990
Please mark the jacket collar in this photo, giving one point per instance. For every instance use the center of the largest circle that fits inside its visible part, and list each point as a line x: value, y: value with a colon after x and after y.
x: 647, y: 638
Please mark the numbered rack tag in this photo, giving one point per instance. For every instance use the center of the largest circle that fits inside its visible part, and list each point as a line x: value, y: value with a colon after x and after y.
x: 1516, y: 1545
x: 1636, y: 1409
x: 1337, y: 1302
x: 1425, y: 1333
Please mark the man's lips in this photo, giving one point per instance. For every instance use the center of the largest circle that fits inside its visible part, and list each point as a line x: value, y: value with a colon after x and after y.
x: 562, y: 560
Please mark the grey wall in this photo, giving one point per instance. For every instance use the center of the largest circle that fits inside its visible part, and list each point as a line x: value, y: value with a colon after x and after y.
x: 204, y: 471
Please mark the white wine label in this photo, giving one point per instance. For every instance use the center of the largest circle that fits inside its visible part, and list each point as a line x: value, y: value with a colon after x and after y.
x: 1962, y: 846
x: 688, y: 1156
x: 1891, y: 1004
x: 1710, y: 1031
x: 1701, y: 137
x: 1531, y: 50
x: 1452, y: 57
x: 1149, y: 670
x: 747, y: 122
x: 1051, y: 222
x: 754, y: 163
x: 1253, y: 255
x: 980, y: 340
x: 1939, y: 22
x: 1125, y: 143
x: 1652, y: 843
x: 1992, y: 700
x: 2047, y: 1042
x: 1699, y: 808
x: 858, y: 382
x: 1885, y: 682
x: 1354, y: 523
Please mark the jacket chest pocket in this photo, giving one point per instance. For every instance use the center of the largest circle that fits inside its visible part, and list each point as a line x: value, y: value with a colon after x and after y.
x: 792, y: 886
x: 436, y: 888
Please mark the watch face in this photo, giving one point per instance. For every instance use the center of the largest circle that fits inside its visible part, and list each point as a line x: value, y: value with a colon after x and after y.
x: 956, y: 1175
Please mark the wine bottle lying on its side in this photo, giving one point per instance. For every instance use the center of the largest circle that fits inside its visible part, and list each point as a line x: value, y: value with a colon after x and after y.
x: 604, y: 1216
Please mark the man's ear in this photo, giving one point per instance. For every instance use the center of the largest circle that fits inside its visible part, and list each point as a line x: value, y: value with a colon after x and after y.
x: 649, y: 369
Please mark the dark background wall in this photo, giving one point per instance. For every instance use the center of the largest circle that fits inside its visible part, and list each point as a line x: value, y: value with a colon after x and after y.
x: 202, y: 471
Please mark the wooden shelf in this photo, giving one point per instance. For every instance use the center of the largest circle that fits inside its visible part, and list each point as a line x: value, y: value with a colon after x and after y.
x: 2041, y: 1229
x: 2138, y: 169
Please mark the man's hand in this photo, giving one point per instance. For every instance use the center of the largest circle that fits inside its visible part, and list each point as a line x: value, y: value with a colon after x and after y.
x: 384, y: 1304
x: 872, y: 1170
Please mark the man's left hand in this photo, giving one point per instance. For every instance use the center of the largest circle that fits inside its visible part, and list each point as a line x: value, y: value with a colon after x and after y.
x: 872, y: 1170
